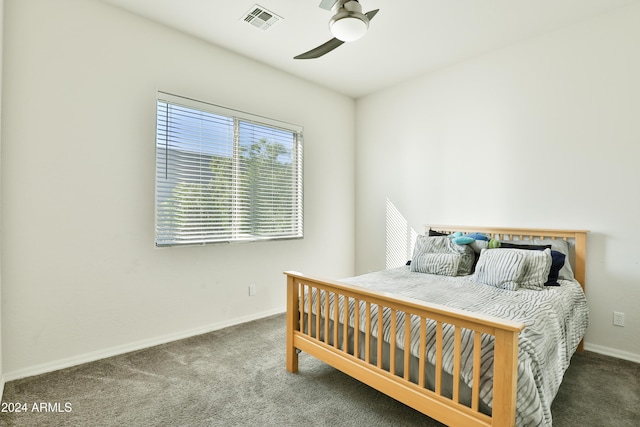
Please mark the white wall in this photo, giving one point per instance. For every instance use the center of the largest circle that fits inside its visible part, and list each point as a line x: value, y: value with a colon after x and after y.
x: 541, y: 134
x: 81, y: 278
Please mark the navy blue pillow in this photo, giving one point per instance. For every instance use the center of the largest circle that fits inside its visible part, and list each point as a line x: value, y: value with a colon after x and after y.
x: 523, y: 246
x: 437, y: 233
x: 557, y: 262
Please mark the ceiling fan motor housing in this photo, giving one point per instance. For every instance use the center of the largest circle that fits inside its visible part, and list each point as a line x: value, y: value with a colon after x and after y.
x: 348, y: 23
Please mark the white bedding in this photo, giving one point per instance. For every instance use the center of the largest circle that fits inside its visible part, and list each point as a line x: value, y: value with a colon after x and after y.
x: 556, y: 319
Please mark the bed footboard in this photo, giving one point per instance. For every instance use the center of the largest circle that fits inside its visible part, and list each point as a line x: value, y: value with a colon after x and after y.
x: 362, y: 310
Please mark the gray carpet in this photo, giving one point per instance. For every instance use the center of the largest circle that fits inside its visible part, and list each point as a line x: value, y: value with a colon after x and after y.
x: 237, y: 377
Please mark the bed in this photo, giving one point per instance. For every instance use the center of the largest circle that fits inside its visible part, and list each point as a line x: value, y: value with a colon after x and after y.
x: 449, y: 345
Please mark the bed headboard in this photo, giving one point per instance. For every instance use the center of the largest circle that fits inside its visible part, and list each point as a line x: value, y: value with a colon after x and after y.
x: 577, y: 240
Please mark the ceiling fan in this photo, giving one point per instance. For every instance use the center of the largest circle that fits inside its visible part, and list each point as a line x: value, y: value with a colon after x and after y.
x: 347, y: 24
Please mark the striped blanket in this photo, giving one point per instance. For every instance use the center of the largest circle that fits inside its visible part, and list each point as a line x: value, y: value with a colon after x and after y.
x: 556, y: 319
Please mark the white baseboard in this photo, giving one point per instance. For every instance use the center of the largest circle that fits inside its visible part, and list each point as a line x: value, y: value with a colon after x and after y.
x: 612, y: 352
x: 126, y: 348
x: 1, y: 386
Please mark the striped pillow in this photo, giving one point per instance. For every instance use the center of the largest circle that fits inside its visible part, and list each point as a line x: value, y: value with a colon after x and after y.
x: 512, y: 269
x: 536, y: 270
x: 436, y: 263
x: 439, y: 255
x: 500, y: 268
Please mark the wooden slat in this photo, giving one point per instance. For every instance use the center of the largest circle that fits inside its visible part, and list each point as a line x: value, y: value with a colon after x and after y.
x: 367, y: 333
x: 302, y: 294
x: 345, y: 328
x: 475, y: 386
x: 423, y: 351
x: 326, y: 316
x: 293, y: 320
x: 392, y: 342
x: 356, y: 328
x: 336, y: 316
x: 407, y: 345
x: 380, y: 340
x: 438, y: 358
x: 309, y: 302
x: 318, y: 313
x: 456, y: 364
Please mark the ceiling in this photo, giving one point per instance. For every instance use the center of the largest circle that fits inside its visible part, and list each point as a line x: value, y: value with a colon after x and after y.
x: 405, y: 39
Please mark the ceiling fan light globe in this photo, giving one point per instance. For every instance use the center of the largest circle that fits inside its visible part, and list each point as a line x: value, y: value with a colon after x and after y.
x: 349, y: 28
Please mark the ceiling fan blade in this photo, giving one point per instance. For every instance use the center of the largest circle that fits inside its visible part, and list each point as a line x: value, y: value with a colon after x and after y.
x: 371, y: 14
x: 327, y: 4
x: 320, y: 50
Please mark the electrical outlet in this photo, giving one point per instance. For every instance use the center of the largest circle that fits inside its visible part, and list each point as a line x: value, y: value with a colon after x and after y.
x: 618, y: 318
x: 252, y: 290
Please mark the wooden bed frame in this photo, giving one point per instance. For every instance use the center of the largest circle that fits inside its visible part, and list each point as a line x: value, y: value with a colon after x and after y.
x: 416, y: 395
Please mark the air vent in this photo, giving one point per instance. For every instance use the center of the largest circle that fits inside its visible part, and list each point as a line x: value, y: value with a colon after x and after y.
x: 260, y: 17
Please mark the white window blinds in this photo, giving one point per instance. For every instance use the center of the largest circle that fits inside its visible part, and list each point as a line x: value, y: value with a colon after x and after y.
x: 224, y: 175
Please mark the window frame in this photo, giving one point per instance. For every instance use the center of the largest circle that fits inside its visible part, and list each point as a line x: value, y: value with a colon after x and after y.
x: 238, y: 117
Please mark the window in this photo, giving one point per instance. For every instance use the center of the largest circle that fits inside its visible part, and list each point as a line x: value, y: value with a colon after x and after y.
x: 225, y: 176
